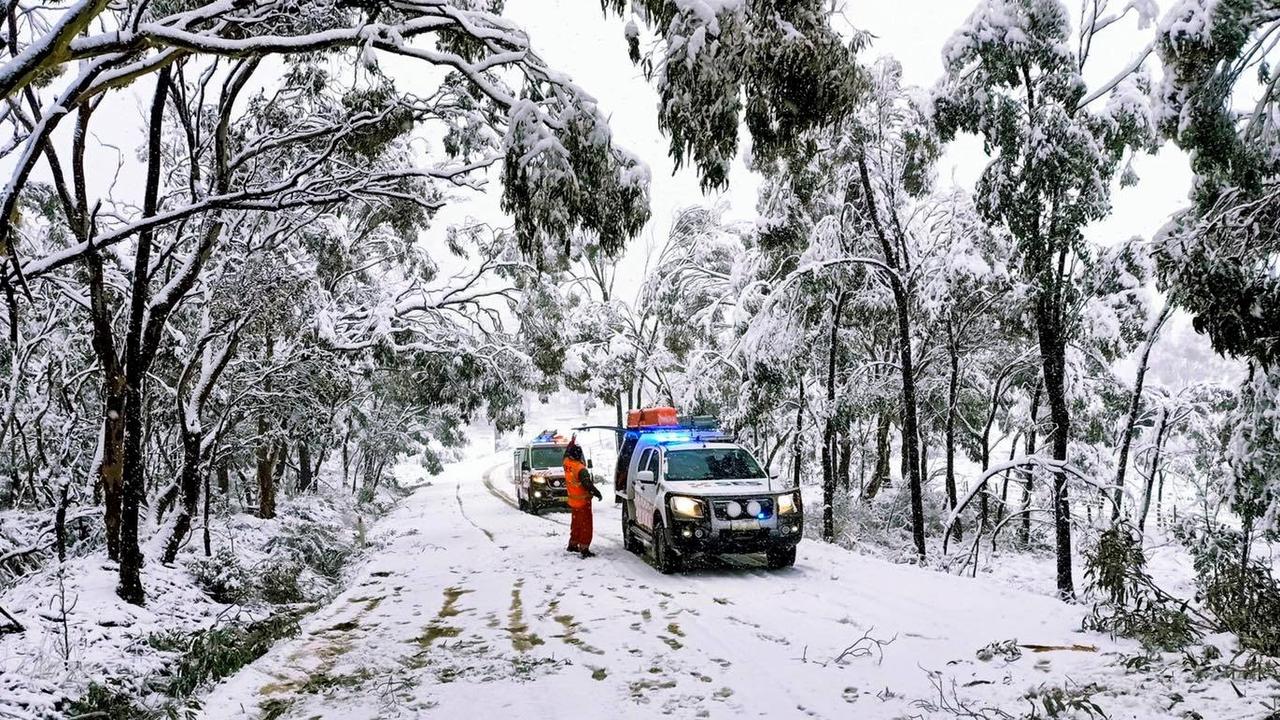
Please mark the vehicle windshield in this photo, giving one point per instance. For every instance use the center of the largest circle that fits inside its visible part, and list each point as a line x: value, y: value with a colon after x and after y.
x: 712, y: 464
x: 546, y: 457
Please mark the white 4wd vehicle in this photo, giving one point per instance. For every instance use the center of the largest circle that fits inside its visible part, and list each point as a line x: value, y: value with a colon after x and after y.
x: 693, y: 492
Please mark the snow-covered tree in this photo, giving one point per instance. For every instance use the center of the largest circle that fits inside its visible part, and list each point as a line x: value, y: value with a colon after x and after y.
x: 1014, y: 76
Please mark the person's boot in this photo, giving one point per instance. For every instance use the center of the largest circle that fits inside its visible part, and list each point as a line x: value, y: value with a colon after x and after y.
x: 573, y: 548
x: 586, y: 553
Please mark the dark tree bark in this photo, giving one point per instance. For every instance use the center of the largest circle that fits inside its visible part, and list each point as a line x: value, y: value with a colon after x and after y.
x: 189, y: 484
x: 829, y: 430
x: 1135, y: 406
x: 846, y: 454
x: 264, y: 453
x: 880, y: 476
x: 896, y: 263
x: 797, y: 452
x: 208, y: 547
x: 192, y: 436
x: 953, y: 392
x: 1004, y: 483
x: 137, y: 362
x: 224, y: 478
x: 1155, y: 469
x: 304, y: 467
x: 1029, y: 473
x: 1053, y: 356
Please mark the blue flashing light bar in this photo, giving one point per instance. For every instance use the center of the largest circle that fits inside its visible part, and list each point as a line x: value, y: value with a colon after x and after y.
x: 671, y: 436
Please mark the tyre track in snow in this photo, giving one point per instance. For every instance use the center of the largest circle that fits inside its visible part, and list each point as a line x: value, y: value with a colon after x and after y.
x: 662, y: 648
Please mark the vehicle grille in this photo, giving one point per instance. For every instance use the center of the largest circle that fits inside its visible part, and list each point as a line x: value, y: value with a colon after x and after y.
x: 722, y: 508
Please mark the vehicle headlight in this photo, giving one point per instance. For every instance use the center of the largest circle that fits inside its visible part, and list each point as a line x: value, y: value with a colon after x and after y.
x: 687, y: 507
x: 540, y: 479
x: 788, y: 504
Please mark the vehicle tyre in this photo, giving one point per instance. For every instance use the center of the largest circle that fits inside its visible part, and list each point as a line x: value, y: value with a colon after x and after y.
x: 521, y: 502
x: 629, y: 540
x: 664, y: 558
x: 781, y: 558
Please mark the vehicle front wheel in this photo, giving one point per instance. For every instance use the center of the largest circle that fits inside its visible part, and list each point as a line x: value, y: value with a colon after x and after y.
x: 664, y: 558
x: 779, y: 559
x: 629, y: 540
x: 521, y: 502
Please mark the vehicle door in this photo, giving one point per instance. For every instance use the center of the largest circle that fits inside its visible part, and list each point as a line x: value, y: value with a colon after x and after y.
x: 521, y: 457
x: 645, y: 494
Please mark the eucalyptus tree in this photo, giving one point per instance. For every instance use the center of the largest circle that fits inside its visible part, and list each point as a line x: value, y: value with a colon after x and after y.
x: 1015, y: 76
x: 1218, y: 101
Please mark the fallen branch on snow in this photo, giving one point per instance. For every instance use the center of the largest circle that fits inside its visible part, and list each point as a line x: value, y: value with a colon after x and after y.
x: 1077, y: 647
x: 12, y: 623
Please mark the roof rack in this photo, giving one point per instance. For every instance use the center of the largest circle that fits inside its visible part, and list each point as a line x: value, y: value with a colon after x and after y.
x: 665, y: 425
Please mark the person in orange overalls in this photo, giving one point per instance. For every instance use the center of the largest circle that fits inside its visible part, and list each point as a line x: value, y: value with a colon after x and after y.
x: 581, y: 487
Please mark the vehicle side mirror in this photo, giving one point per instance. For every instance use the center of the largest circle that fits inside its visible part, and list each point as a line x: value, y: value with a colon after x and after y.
x: 645, y: 476
x: 526, y: 466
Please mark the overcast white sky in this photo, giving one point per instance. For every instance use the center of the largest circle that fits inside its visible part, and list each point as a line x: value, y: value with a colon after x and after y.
x: 576, y: 38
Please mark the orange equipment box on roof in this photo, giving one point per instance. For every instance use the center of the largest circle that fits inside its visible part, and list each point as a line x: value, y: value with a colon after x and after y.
x: 652, y: 417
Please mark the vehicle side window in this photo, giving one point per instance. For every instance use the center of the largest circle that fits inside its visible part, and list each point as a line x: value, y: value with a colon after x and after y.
x: 644, y: 459
x: 522, y: 456
x: 651, y: 462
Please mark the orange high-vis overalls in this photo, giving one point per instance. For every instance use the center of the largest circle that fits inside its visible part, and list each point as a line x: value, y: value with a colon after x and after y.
x: 579, y: 504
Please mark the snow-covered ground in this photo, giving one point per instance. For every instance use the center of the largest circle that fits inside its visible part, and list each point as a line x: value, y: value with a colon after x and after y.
x: 473, y: 609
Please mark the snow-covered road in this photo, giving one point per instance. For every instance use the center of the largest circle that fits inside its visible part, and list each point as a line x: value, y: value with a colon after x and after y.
x: 471, y: 609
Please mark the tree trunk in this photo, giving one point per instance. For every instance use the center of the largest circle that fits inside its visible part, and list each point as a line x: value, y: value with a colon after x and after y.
x: 1053, y: 356
x: 617, y: 406
x: 829, y: 429
x: 137, y: 362
x: 111, y: 469
x: 264, y: 454
x: 924, y: 456
x: 189, y: 484
x: 208, y: 548
x: 910, y: 424
x: 1135, y: 405
x: 799, y: 440
x: 224, y: 478
x: 1004, y: 484
x: 1155, y: 468
x: 846, y: 455
x: 1029, y: 474
x: 953, y: 391
x: 880, y: 476
x: 304, y: 467
x: 265, y: 474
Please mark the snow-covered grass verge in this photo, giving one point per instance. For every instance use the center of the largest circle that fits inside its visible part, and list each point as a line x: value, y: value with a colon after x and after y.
x: 85, y: 651
x: 1172, y: 638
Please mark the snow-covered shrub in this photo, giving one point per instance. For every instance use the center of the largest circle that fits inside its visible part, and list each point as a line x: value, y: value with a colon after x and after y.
x: 278, y: 582
x: 321, y: 544
x: 105, y: 701
x: 1130, y: 604
x: 1239, y: 591
x: 213, y: 654
x: 223, y: 577
x: 885, y: 522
